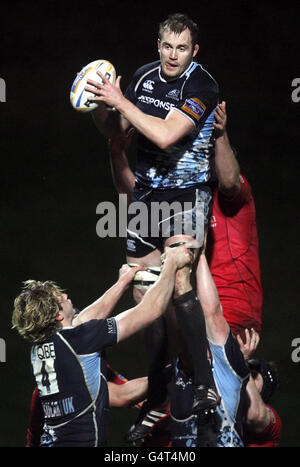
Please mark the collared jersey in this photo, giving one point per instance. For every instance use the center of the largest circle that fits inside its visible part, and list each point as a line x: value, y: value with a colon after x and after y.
x: 233, y: 256
x: 195, y: 95
x: 70, y: 374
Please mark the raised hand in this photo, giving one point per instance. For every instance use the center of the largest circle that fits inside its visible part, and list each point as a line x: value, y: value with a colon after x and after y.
x: 221, y: 119
x: 252, y: 341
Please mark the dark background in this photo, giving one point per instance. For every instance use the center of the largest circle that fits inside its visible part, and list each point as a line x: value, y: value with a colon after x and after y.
x: 55, y: 170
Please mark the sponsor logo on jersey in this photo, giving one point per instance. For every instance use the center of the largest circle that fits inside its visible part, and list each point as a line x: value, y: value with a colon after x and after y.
x: 156, y: 102
x: 194, y: 107
x: 45, y: 351
x: 58, y: 408
x: 174, y: 94
x: 213, y: 222
x: 148, y: 85
x: 131, y: 245
x: 111, y: 326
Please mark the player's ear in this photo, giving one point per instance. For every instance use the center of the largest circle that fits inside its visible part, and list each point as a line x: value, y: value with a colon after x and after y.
x: 158, y: 45
x: 59, y: 317
x: 196, y: 48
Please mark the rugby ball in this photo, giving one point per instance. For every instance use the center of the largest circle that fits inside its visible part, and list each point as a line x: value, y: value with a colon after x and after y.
x: 79, y: 97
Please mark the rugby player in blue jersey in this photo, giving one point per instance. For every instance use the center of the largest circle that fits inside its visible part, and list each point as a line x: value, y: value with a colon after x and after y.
x: 67, y: 349
x: 171, y: 103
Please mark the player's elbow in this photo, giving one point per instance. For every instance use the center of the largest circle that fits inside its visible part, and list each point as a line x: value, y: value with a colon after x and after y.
x: 230, y: 185
x: 212, y: 309
x: 164, y: 143
x: 166, y: 138
x: 257, y: 416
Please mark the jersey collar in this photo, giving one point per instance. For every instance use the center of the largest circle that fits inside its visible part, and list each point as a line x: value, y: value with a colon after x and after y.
x: 187, y: 72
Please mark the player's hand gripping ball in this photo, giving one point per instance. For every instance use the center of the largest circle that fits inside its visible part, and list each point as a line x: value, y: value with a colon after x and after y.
x: 80, y: 99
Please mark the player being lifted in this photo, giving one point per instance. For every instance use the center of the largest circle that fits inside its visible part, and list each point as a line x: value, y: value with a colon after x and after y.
x: 171, y: 104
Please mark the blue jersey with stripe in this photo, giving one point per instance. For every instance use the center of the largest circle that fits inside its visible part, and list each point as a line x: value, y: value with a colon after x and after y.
x: 194, y: 94
x: 231, y: 376
x: 70, y: 374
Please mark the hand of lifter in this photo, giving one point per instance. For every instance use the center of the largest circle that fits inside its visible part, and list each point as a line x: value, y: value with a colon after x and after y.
x: 182, y: 255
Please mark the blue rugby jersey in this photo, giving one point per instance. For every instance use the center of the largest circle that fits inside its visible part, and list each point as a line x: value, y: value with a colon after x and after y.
x: 231, y: 376
x: 195, y: 94
x: 70, y: 374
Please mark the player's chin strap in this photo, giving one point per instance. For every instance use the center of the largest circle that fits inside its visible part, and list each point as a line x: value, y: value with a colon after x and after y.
x: 143, y: 280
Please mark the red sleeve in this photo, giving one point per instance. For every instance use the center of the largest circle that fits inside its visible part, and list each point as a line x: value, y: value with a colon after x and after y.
x: 36, y: 421
x: 270, y: 436
x: 230, y: 205
x: 114, y: 377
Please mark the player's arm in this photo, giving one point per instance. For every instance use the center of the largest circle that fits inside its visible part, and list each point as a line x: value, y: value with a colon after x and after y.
x: 108, y: 121
x: 226, y: 164
x: 258, y: 415
x: 103, y: 307
x: 129, y: 393
x: 156, y: 299
x: 123, y: 177
x: 162, y: 132
x: 216, y: 326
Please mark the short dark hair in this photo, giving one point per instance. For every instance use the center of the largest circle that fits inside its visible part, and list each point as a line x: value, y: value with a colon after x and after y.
x: 178, y: 22
x: 269, y: 373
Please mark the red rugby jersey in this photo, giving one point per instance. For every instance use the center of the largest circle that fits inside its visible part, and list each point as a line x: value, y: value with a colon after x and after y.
x: 270, y: 436
x: 233, y: 257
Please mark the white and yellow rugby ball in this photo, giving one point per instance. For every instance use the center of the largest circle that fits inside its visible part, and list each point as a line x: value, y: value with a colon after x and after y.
x: 79, y: 97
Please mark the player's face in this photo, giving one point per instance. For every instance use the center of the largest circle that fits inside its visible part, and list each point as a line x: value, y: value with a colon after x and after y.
x: 176, y: 53
x: 67, y: 307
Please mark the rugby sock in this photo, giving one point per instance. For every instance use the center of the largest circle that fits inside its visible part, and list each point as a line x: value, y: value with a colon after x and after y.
x: 191, y: 321
x: 155, y: 339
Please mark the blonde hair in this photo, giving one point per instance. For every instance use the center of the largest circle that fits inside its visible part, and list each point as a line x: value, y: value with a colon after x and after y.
x: 36, y: 310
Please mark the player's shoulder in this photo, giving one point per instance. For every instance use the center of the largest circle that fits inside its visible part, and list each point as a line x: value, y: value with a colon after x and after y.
x: 146, y: 69
x: 275, y: 417
x: 198, y: 71
x: 80, y: 328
